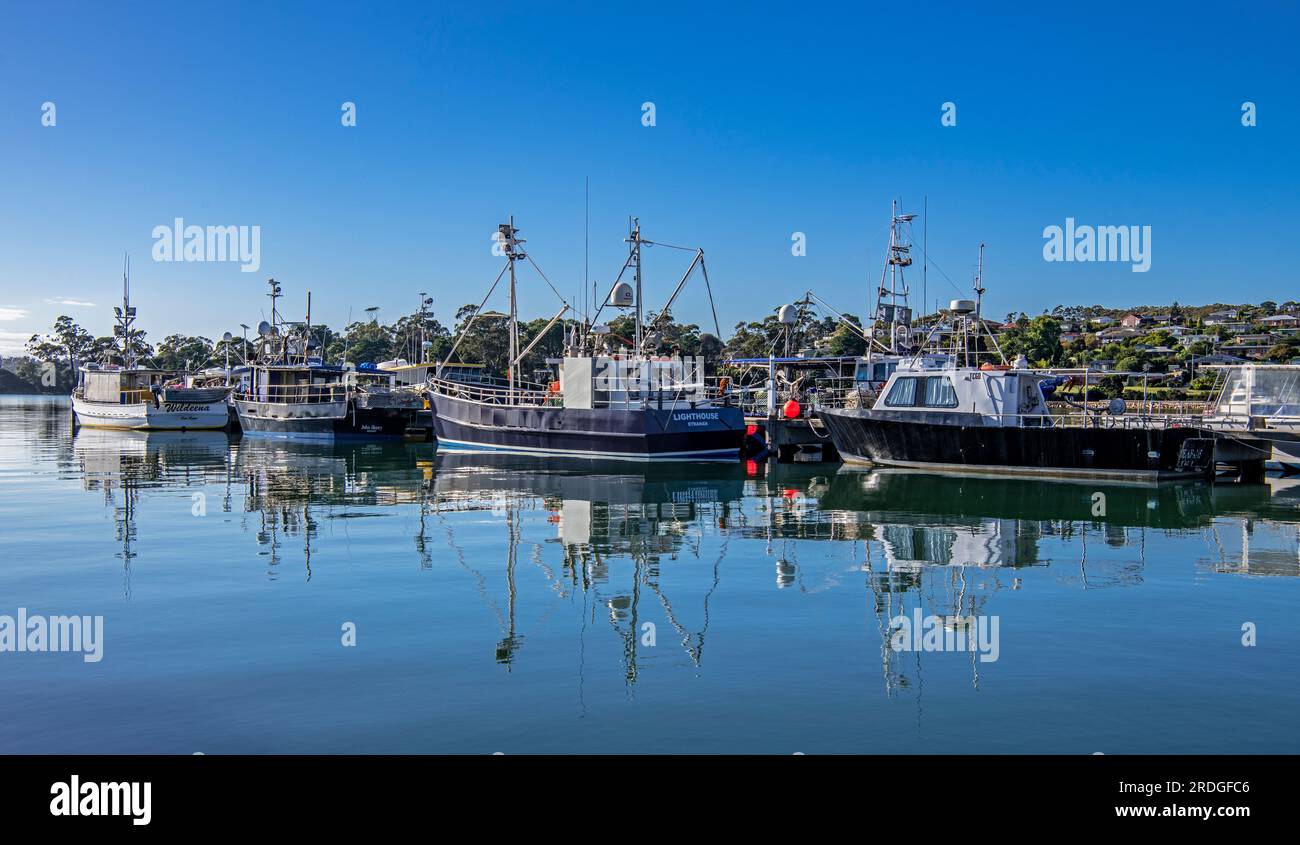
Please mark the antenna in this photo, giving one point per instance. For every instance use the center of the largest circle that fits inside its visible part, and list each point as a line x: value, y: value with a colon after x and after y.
x: 586, y: 242
x: 274, y: 295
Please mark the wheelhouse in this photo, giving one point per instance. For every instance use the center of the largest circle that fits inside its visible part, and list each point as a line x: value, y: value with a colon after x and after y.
x: 116, y: 386
x: 981, y: 396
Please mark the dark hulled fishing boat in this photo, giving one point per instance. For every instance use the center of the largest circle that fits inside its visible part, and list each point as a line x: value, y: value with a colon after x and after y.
x: 627, y: 404
x: 666, y: 423
x: 953, y: 416
x: 290, y: 392
x: 318, y: 401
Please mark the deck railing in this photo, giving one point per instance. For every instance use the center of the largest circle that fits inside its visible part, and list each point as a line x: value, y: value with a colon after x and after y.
x: 297, y: 394
x: 1081, y: 419
x: 498, y: 392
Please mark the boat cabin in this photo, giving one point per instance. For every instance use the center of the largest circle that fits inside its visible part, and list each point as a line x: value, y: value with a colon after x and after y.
x: 406, y: 374
x: 630, y: 382
x: 289, y: 384
x: 1258, y: 393
x: 117, y: 386
x: 991, y: 396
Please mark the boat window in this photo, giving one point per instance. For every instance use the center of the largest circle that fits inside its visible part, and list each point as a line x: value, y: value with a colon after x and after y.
x: 902, y: 394
x: 939, y: 393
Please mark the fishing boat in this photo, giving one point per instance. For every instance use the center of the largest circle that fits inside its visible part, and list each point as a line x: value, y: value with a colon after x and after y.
x: 128, y: 395
x: 291, y: 392
x: 607, y: 401
x: 959, y: 415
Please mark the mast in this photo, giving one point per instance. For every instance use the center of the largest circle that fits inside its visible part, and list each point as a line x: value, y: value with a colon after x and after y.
x: 306, y: 340
x: 925, y: 253
x: 508, y: 235
x: 893, y: 284
x: 126, y: 317
x: 979, y: 302
x: 274, y: 295
x: 634, y: 259
x: 419, y: 357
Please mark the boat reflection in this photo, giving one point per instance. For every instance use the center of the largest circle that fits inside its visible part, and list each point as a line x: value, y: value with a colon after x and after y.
x: 284, y: 480
x: 630, y: 543
x: 122, y: 464
x: 602, y: 512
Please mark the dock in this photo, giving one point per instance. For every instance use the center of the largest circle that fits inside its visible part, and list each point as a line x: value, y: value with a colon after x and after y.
x: 798, y: 440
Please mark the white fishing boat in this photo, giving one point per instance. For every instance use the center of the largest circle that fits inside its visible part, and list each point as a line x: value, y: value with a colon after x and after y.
x: 131, y: 396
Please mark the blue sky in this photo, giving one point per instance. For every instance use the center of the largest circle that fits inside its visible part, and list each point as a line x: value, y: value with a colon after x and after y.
x: 770, y: 119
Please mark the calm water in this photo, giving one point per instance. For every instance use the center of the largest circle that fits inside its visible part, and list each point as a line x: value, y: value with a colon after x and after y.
x: 501, y: 604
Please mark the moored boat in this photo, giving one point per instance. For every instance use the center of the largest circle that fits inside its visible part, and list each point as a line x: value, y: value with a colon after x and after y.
x: 291, y: 392
x: 606, y: 403
x: 127, y: 395
x: 955, y: 416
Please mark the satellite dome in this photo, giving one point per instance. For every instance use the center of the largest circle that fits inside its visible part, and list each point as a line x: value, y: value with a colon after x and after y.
x: 622, y: 296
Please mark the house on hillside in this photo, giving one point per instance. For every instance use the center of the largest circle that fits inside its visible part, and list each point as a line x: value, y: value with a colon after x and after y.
x: 1281, y: 321
x: 1252, y: 346
x: 1115, y: 335
x: 1217, y: 359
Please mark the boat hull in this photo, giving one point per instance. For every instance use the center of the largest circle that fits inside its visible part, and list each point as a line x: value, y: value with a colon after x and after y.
x: 146, y: 416
x: 321, y: 421
x: 643, y: 434
x: 1141, y: 454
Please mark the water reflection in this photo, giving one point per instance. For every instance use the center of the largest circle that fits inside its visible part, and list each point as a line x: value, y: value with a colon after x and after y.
x: 600, y: 511
x: 620, y: 541
x: 120, y: 464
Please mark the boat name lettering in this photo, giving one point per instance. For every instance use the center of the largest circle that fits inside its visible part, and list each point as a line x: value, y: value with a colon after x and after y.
x: 695, y: 417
